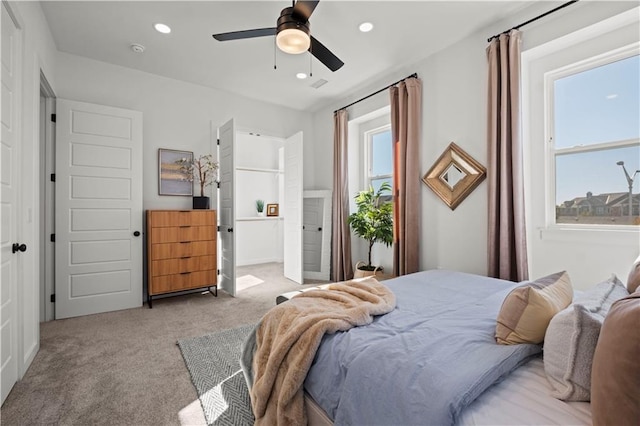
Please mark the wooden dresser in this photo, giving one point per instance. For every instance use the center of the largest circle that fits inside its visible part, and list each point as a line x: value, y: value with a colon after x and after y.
x: 181, y: 251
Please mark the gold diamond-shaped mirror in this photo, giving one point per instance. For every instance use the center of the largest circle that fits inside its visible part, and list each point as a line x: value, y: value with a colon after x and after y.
x: 454, y: 175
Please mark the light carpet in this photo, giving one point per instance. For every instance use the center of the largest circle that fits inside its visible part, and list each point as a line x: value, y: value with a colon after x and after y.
x: 214, y: 364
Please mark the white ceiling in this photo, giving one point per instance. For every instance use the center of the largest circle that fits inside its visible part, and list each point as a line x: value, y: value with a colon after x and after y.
x: 404, y: 33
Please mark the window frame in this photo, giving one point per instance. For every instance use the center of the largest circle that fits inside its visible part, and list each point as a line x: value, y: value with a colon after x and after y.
x: 368, y: 156
x: 551, y: 152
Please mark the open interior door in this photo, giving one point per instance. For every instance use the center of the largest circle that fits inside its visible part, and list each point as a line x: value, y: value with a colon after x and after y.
x: 227, y: 216
x: 98, y: 205
x: 9, y: 190
x: 293, y: 185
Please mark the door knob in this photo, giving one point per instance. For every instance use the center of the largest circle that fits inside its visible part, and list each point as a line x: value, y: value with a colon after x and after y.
x: 229, y: 229
x: 18, y: 247
x: 320, y: 229
x: 136, y: 233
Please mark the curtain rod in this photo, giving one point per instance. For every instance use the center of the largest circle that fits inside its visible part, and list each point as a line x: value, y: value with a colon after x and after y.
x: 415, y: 74
x: 562, y: 6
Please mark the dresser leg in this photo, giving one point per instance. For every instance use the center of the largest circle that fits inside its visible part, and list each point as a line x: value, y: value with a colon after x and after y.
x: 149, y: 299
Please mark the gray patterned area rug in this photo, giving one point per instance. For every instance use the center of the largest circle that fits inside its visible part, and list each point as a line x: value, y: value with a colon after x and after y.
x: 214, y: 364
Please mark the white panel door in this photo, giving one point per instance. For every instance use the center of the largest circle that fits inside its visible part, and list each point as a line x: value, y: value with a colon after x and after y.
x: 10, y: 188
x: 312, y: 234
x: 227, y: 217
x: 98, y: 209
x: 293, y: 185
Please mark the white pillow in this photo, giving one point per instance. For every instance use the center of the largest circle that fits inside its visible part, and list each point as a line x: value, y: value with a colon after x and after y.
x: 571, y: 338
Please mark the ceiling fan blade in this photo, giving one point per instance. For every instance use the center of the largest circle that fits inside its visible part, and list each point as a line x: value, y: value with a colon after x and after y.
x: 237, y: 35
x: 302, y: 10
x: 324, y: 55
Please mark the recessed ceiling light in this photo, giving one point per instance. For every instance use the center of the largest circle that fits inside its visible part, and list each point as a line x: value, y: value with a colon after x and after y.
x: 365, y: 27
x: 162, y: 28
x: 301, y: 75
x: 612, y: 96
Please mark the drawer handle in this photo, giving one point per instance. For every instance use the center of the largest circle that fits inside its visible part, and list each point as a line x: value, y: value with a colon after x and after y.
x: 185, y: 273
x: 185, y: 257
x: 185, y: 242
x: 185, y: 226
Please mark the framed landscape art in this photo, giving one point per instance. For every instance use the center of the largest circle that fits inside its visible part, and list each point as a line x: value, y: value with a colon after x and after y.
x: 173, y: 178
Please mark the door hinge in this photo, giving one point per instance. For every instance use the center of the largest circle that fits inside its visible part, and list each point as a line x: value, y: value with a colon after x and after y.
x: 52, y: 298
x: 218, y: 229
x: 53, y: 177
x: 53, y: 238
x: 218, y: 271
x: 53, y: 118
x: 218, y: 185
x: 218, y: 141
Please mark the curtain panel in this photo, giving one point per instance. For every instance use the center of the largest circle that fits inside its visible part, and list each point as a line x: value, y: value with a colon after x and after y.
x: 406, y: 129
x: 341, y: 263
x: 507, y: 245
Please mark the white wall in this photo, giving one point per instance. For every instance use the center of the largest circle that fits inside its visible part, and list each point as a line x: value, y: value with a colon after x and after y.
x: 454, y: 97
x: 38, y: 55
x: 176, y: 114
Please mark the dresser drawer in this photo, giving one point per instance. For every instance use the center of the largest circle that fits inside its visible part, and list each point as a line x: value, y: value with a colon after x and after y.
x: 183, y: 233
x: 162, y: 218
x: 178, y: 250
x: 184, y: 281
x: 185, y: 264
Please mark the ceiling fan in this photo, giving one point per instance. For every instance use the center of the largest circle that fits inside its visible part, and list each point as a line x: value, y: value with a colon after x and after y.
x: 293, y: 34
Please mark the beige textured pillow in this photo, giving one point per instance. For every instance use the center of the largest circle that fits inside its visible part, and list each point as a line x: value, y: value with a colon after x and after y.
x: 615, y: 377
x: 633, y: 282
x: 527, y: 310
x: 571, y: 339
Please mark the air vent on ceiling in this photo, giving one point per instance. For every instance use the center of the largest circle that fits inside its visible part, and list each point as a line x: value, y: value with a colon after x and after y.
x: 318, y: 84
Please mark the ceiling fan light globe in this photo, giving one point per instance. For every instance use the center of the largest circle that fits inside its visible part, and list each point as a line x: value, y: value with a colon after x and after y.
x: 293, y: 40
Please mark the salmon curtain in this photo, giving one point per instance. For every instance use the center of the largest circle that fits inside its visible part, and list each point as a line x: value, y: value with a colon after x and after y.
x: 507, y: 243
x: 406, y: 129
x: 341, y: 264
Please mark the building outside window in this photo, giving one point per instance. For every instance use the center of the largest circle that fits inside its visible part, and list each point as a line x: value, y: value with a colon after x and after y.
x: 593, y: 116
x: 378, y: 157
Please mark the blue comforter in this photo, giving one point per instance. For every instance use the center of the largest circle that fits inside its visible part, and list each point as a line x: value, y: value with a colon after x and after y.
x: 423, y: 362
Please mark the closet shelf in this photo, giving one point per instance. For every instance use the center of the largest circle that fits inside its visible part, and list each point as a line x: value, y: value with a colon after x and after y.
x: 257, y: 169
x: 257, y: 218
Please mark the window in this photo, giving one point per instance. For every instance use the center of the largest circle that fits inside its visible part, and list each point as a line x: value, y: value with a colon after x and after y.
x: 593, y: 111
x: 379, y: 157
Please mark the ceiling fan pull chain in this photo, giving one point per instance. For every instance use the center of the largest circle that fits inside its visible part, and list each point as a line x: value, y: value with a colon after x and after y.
x: 275, y: 66
x: 310, y: 63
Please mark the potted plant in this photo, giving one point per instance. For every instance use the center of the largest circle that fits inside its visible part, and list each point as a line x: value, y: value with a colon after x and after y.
x: 204, y: 170
x: 260, y: 207
x: 373, y: 222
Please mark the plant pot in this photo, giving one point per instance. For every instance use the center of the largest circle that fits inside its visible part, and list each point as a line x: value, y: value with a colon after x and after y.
x: 200, y: 203
x: 260, y: 214
x: 362, y: 273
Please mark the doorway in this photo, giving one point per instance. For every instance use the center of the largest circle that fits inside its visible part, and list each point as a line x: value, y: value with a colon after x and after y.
x: 47, y: 198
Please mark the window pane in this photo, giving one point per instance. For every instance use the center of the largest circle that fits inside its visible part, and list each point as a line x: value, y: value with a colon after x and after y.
x: 377, y: 182
x: 591, y: 187
x: 598, y: 105
x: 381, y: 154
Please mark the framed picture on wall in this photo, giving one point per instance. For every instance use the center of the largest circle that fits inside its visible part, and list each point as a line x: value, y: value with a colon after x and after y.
x: 173, y: 177
x: 272, y: 210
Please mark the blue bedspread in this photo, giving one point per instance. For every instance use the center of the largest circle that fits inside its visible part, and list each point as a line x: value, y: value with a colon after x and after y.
x: 423, y: 362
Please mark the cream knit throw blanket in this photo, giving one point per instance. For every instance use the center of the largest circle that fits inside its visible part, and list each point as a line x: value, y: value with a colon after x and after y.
x: 289, y: 335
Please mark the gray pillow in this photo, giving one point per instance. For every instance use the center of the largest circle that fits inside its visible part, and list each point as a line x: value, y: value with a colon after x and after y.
x: 571, y: 338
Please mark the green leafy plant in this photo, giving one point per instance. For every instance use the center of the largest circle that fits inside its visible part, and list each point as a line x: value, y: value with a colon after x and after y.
x: 260, y: 206
x: 203, y: 169
x: 373, y: 221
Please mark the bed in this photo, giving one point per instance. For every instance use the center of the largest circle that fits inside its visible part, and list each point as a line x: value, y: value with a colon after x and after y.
x: 433, y: 360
